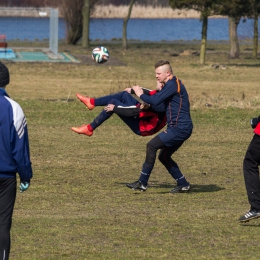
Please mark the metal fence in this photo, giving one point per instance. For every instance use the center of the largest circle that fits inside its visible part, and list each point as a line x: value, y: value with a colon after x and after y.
x: 30, y: 28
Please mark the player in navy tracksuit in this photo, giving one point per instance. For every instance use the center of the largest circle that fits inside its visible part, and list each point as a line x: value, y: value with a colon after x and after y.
x: 141, y: 121
x: 174, y: 97
x: 14, y: 157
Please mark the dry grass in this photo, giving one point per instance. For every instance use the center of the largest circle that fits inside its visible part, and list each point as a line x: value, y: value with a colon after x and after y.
x: 222, y: 87
x: 141, y: 11
x: 78, y: 206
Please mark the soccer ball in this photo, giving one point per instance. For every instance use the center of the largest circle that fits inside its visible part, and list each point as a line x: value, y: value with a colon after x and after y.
x: 100, y: 54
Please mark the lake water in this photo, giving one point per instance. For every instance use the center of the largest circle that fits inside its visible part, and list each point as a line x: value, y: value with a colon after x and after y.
x: 138, y: 29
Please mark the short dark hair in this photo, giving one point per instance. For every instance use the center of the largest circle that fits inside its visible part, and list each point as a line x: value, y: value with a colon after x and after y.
x: 161, y: 63
x: 4, y: 75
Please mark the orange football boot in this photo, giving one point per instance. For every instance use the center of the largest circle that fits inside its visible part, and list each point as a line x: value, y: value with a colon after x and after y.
x: 86, y: 101
x: 82, y: 130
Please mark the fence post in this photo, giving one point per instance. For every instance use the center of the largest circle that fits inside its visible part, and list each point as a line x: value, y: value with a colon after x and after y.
x: 54, y: 24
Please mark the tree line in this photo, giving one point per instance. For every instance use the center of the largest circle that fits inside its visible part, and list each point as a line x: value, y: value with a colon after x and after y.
x: 77, y: 13
x: 57, y: 3
x: 233, y: 9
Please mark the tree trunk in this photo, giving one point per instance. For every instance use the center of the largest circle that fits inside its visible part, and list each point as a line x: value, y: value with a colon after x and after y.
x: 72, y: 13
x: 85, y: 33
x: 203, y: 39
x: 255, y: 47
x: 124, y: 37
x: 234, y: 45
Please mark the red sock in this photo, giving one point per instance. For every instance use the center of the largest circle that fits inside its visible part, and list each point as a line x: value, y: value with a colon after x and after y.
x: 92, y: 101
x: 90, y: 128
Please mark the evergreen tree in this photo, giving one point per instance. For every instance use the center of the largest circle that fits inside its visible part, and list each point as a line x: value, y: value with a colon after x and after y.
x: 234, y: 9
x: 254, y: 13
x: 206, y: 8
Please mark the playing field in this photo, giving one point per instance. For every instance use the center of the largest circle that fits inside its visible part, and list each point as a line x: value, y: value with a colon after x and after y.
x: 78, y: 206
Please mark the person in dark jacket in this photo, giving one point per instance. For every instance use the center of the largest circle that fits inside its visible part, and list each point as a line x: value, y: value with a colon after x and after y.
x: 14, y: 158
x: 174, y: 97
x: 251, y: 173
x: 141, y: 118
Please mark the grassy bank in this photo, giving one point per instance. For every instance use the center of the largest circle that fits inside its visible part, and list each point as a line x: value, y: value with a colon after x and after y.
x: 78, y: 206
x: 107, y: 11
x: 141, y: 11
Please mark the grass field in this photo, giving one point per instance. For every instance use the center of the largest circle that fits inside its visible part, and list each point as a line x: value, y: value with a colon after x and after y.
x: 78, y: 206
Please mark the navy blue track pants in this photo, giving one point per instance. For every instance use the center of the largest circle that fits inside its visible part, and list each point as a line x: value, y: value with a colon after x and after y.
x: 119, y: 99
x: 169, y: 141
x: 7, y: 200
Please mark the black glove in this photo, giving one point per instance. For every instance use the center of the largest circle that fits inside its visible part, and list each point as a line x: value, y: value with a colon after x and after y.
x: 254, y: 121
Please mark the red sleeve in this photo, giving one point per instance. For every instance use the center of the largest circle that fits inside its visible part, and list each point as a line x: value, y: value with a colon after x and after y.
x: 152, y: 92
x: 257, y: 129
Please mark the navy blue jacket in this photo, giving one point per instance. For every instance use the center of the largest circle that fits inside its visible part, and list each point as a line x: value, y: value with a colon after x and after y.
x: 14, y: 142
x: 176, y: 101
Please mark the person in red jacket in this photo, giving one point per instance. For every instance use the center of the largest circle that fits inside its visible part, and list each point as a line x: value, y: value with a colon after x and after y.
x: 251, y: 173
x: 141, y: 118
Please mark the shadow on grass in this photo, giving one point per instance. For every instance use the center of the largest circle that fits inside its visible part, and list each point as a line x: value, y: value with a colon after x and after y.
x: 243, y: 65
x: 198, y: 188
x: 57, y: 100
x: 250, y: 225
x: 194, y: 188
x: 205, y: 188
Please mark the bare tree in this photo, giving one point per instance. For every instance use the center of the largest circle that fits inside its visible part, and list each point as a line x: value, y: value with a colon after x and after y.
x: 124, y: 37
x: 86, y: 15
x: 255, y: 49
x: 72, y: 13
x: 254, y: 13
x: 234, y: 45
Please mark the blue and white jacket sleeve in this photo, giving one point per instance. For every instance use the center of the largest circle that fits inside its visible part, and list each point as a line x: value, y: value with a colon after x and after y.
x: 20, y: 142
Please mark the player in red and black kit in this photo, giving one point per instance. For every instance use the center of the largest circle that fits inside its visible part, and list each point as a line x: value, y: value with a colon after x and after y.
x: 251, y: 173
x: 141, y: 118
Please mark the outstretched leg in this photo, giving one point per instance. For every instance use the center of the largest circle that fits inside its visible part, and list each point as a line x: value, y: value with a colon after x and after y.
x: 132, y: 122
x: 86, y: 100
x: 124, y: 97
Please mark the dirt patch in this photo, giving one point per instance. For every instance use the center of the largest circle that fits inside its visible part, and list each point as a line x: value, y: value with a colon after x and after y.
x: 86, y: 59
